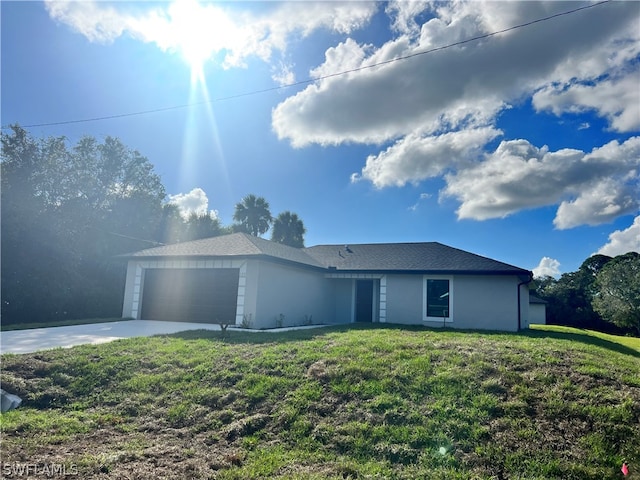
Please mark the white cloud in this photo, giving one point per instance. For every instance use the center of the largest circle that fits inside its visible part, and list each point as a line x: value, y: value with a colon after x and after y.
x: 415, y: 158
x: 617, y: 100
x: 548, y: 267
x: 601, y: 202
x: 283, y: 74
x: 196, y: 201
x: 623, y: 241
x: 97, y: 22
x: 602, y: 185
x: 229, y: 30
x: 421, y: 198
x: 404, y: 14
x: 578, y: 62
x: 467, y: 85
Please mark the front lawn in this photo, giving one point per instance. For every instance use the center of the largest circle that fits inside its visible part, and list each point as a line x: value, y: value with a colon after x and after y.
x: 345, y: 402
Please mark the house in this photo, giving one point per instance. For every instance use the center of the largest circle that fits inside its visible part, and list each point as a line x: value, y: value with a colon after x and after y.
x: 245, y: 280
x: 537, y: 310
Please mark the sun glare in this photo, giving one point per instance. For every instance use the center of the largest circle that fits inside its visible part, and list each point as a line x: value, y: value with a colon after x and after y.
x: 191, y: 32
x: 199, y: 31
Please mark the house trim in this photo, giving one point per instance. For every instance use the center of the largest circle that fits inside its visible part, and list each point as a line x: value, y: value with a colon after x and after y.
x: 143, y: 265
x: 425, y: 317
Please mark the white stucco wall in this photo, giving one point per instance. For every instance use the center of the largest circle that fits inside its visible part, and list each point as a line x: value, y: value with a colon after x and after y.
x: 404, y: 299
x: 296, y: 293
x: 478, y: 302
x: 342, y: 302
x: 489, y: 302
x: 268, y: 289
x: 537, y: 313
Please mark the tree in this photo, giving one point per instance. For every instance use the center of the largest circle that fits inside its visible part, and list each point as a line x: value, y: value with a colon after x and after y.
x: 253, y: 215
x: 569, y: 297
x: 618, y: 296
x: 66, y: 212
x: 202, y: 226
x: 288, y: 229
x: 171, y: 228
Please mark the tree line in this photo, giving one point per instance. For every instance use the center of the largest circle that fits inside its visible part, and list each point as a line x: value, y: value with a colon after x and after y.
x: 68, y: 211
x: 603, y: 294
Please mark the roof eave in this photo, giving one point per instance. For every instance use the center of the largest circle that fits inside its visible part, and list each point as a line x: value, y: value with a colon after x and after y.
x: 197, y: 257
x: 429, y: 272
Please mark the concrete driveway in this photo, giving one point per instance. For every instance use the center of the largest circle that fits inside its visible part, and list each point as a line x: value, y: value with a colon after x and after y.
x: 26, y: 341
x: 32, y: 340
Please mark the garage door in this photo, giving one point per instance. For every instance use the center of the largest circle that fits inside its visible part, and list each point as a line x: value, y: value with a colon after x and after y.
x: 190, y: 295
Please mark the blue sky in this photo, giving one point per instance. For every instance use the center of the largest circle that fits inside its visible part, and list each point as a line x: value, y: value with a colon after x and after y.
x: 523, y: 146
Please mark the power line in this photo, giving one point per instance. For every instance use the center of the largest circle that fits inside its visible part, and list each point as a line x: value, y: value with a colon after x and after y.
x: 323, y: 77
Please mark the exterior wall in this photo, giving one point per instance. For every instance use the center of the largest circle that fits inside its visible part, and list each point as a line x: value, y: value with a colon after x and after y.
x: 404, y: 299
x: 478, y: 302
x: 537, y: 313
x: 343, y: 296
x: 524, y: 306
x: 128, y: 310
x: 295, y: 293
x: 488, y: 302
x: 266, y: 290
x: 343, y: 291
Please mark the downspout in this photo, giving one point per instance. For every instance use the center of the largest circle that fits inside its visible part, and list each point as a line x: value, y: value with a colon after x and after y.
x: 528, y: 281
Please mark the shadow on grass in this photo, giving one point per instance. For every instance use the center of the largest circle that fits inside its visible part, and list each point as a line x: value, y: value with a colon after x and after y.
x: 583, y: 338
x: 238, y: 336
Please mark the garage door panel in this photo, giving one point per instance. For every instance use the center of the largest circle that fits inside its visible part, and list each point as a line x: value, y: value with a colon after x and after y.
x: 194, y: 295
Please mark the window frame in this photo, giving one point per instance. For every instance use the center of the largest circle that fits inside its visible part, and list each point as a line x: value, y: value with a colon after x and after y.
x: 425, y: 317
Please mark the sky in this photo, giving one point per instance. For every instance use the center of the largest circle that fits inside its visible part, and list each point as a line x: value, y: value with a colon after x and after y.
x: 507, y: 129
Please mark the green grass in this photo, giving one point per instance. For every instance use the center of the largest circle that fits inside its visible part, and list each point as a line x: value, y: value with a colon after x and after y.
x: 58, y: 323
x: 345, y: 402
x: 630, y: 342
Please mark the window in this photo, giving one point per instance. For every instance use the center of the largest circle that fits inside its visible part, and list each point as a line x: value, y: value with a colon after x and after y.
x: 437, y: 300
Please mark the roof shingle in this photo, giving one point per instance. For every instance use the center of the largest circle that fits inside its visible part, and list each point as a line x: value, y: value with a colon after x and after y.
x: 427, y: 257
x: 233, y: 245
x: 407, y: 257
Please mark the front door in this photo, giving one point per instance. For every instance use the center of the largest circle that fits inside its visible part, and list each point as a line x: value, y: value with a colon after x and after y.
x: 364, y: 300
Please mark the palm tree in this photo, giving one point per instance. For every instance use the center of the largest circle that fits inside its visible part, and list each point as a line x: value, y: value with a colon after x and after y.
x: 289, y: 230
x: 253, y: 215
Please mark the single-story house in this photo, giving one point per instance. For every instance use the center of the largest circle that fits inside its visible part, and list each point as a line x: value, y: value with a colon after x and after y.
x: 245, y: 280
x: 537, y: 310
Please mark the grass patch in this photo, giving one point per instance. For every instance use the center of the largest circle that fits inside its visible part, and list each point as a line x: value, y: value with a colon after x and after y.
x: 589, y: 336
x: 346, y: 402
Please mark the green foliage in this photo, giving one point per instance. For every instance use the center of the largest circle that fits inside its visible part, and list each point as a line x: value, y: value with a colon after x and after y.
x: 253, y: 215
x: 618, y: 291
x: 247, y: 321
x: 571, y: 298
x: 66, y: 212
x: 288, y: 229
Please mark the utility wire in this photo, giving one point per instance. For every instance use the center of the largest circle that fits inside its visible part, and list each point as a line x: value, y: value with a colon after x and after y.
x: 152, y: 242
x: 323, y: 77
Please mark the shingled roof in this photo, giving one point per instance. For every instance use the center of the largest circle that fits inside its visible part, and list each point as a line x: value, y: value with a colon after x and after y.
x: 426, y: 257
x: 233, y: 245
